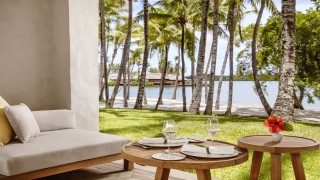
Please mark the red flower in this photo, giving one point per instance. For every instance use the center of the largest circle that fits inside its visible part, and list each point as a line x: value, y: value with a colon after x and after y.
x: 275, y: 124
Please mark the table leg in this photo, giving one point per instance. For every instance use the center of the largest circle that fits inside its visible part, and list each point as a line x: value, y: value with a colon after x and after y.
x: 203, y: 174
x: 162, y: 174
x: 256, y: 165
x: 298, y: 166
x: 276, y: 166
x: 127, y: 165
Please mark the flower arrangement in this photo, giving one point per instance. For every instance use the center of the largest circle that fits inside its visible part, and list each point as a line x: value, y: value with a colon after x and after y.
x: 276, y: 124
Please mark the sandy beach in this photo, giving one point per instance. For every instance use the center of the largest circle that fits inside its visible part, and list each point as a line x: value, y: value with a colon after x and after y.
x: 175, y: 105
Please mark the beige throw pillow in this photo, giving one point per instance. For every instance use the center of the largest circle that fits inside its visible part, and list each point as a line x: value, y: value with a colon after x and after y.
x: 6, y: 131
x: 22, y: 121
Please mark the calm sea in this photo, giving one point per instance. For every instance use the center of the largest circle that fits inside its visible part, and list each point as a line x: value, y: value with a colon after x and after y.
x: 243, y: 94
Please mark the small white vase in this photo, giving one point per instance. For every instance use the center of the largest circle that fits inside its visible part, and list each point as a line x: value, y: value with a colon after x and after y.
x: 276, y: 137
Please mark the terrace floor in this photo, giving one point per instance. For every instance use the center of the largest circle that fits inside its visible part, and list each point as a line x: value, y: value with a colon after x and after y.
x: 114, y: 171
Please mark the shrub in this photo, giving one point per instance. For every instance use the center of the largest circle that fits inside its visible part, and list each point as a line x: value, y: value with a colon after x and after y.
x: 111, y: 83
x: 149, y: 84
x: 135, y: 83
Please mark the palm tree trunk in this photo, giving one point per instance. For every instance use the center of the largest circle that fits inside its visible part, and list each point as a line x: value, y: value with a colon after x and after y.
x: 284, y: 103
x: 217, y: 106
x: 206, y: 72
x: 108, y: 72
x: 184, y: 99
x: 145, y: 101
x: 196, y: 95
x: 101, y: 70
x: 129, y: 80
x: 193, y: 60
x: 254, y: 61
x: 102, y: 88
x: 297, y: 103
x: 125, y: 100
x: 163, y: 76
x: 161, y: 68
x: 208, y: 110
x: 301, y: 95
x: 174, y: 96
x: 232, y: 21
x: 193, y: 85
x: 142, y: 80
x: 125, y: 57
x: 103, y: 46
x: 105, y: 75
x: 115, y: 52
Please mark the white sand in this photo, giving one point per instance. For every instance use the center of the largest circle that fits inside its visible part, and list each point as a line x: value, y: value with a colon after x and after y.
x: 174, y: 105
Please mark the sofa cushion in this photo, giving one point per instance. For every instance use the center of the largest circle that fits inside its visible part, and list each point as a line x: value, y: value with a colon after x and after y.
x: 22, y: 121
x: 50, y: 120
x: 6, y: 131
x: 53, y: 148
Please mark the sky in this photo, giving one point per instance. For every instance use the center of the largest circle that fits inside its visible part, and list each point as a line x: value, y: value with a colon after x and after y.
x: 301, y: 5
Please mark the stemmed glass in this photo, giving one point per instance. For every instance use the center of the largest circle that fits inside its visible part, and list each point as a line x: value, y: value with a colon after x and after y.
x: 169, y: 129
x: 212, y: 127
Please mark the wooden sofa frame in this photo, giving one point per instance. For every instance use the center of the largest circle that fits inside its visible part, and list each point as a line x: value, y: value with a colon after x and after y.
x: 127, y: 165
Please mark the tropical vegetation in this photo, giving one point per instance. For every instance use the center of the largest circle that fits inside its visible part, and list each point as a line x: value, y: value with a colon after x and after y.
x: 284, y: 49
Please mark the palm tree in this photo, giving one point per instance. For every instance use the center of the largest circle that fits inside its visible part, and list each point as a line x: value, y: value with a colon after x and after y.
x: 196, y: 96
x: 273, y: 8
x: 124, y: 59
x: 177, y: 58
x: 284, y: 103
x: 231, y: 25
x: 208, y: 109
x: 103, y: 49
x: 206, y: 72
x: 163, y: 75
x: 162, y: 35
x: 254, y: 58
x: 217, y: 106
x: 112, y: 13
x: 184, y: 98
x: 141, y: 90
x: 181, y: 12
x: 118, y: 37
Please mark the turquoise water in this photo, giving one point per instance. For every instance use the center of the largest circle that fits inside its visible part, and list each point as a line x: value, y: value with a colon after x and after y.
x: 243, y: 94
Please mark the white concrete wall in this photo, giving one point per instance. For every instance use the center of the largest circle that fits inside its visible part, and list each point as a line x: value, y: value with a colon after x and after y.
x: 26, y: 52
x: 84, y: 65
x: 48, y: 56
x: 61, y: 54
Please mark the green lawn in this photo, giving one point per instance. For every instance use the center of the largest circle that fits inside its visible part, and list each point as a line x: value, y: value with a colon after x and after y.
x: 135, y: 124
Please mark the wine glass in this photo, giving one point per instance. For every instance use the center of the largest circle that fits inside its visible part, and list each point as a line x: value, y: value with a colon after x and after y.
x: 169, y: 129
x: 212, y: 127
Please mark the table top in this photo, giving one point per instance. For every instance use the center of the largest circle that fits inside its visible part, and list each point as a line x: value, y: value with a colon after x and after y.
x: 144, y: 157
x: 289, y: 144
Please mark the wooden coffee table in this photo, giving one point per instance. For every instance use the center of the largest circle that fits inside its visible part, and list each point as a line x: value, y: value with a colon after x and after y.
x: 289, y: 144
x: 201, y: 165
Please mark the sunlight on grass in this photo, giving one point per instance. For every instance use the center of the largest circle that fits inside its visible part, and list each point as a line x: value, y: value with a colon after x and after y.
x: 135, y: 124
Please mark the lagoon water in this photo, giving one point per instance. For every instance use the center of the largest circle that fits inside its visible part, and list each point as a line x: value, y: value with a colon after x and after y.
x: 243, y: 94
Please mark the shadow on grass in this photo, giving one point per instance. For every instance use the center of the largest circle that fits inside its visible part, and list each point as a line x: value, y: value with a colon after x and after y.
x: 135, y: 129
x: 177, y: 116
x: 308, y: 123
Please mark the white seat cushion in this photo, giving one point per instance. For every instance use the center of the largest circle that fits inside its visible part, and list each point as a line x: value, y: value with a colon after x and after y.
x: 55, y: 148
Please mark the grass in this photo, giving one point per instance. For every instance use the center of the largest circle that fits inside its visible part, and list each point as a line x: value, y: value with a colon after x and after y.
x: 135, y: 124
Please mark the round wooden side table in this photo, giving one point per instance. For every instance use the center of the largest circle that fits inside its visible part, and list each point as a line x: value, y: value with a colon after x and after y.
x: 289, y: 144
x: 201, y: 165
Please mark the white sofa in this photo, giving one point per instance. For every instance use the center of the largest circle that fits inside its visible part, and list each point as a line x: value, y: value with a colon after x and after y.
x: 59, y: 148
